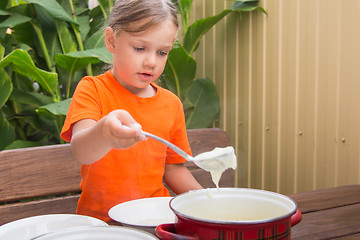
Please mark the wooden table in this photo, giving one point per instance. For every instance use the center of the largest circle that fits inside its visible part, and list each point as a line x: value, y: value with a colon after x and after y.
x: 332, y: 213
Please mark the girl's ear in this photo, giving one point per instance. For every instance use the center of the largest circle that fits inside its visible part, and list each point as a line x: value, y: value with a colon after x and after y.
x: 110, y: 39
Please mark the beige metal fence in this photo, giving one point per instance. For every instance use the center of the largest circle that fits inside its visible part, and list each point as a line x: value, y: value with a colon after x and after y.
x: 289, y: 86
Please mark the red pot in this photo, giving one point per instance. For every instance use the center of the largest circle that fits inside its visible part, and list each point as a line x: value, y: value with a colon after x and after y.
x: 231, y: 214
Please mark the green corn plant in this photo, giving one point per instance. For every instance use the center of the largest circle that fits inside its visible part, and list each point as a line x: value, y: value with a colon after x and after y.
x: 46, y: 47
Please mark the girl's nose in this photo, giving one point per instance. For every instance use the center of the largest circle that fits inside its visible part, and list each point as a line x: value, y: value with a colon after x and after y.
x: 150, y: 60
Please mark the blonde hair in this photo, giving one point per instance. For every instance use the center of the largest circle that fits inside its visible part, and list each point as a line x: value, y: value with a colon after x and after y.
x: 135, y: 16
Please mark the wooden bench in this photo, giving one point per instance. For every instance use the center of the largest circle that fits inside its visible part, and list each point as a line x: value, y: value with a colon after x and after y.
x: 45, y: 180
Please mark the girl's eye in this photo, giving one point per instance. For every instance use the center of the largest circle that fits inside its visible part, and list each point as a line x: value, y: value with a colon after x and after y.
x: 162, y: 53
x: 138, y: 49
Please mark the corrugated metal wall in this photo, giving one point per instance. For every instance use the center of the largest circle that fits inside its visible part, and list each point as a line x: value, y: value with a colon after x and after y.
x: 289, y: 86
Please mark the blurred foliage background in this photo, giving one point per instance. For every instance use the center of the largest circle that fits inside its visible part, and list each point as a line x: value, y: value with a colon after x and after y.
x: 46, y: 47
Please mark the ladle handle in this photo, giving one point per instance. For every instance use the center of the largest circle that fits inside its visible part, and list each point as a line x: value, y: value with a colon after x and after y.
x: 170, y: 145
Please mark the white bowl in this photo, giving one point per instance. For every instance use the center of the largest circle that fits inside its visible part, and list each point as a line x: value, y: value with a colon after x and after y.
x: 144, y: 214
x: 28, y: 228
x: 98, y: 233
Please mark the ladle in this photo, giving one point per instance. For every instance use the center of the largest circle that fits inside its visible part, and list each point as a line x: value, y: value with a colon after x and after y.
x: 219, y: 158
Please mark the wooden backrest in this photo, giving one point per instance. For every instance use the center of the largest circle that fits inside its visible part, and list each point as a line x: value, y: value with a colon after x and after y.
x: 38, y: 171
x: 52, y: 171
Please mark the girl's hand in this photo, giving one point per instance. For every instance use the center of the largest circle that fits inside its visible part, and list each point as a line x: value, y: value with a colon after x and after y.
x: 116, y: 134
x: 92, y: 140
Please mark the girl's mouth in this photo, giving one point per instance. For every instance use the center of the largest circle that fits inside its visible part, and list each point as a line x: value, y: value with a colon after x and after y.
x: 146, y: 76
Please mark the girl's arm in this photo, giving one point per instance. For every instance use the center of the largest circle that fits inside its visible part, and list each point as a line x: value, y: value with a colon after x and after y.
x: 180, y: 179
x: 92, y: 140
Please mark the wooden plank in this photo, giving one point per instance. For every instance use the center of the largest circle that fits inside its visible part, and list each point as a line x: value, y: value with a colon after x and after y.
x: 206, y: 139
x: 327, y: 198
x: 205, y: 180
x: 329, y: 224
x: 351, y: 237
x: 15, y: 211
x: 38, y: 171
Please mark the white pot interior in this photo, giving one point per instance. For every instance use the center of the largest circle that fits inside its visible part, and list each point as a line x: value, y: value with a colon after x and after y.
x: 233, y: 205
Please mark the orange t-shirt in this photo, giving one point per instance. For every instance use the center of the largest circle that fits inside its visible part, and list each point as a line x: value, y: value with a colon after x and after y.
x: 136, y: 172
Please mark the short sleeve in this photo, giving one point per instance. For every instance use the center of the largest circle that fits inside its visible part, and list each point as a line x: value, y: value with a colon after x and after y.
x: 85, y: 104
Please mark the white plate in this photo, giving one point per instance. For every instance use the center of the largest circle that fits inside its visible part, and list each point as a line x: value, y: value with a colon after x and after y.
x: 145, y: 212
x: 28, y: 228
x: 98, y: 233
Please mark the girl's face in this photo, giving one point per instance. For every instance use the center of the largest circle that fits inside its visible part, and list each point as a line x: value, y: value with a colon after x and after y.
x: 140, y: 58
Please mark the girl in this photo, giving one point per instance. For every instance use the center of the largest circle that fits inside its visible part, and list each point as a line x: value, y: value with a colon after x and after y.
x: 119, y: 164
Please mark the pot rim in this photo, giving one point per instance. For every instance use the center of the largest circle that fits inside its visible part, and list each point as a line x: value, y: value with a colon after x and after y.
x: 225, y: 222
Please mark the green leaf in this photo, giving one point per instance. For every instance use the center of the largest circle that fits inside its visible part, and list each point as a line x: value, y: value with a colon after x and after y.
x: 205, y: 104
x: 76, y: 61
x: 197, y: 30
x: 185, y: 7
x: 59, y: 108
x: 103, y: 4
x: 81, y: 10
x: 23, y: 64
x: 2, y: 51
x: 4, y: 13
x: 7, y: 133
x: 43, y: 19
x: 24, y: 34
x: 96, y: 40
x: 29, y: 97
x: 244, y: 5
x: 14, y: 20
x: 3, y: 4
x: 101, y: 53
x: 44, y: 125
x: 97, y: 20
x: 6, y: 87
x: 180, y: 70
x: 22, y: 144
x: 84, y: 25
x: 65, y: 37
x: 54, y: 9
x: 73, y: 64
